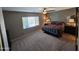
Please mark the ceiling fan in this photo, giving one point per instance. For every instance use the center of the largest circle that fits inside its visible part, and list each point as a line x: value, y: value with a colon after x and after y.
x: 48, y: 10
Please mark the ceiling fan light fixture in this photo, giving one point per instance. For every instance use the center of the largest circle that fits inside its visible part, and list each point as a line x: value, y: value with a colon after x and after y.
x: 44, y: 12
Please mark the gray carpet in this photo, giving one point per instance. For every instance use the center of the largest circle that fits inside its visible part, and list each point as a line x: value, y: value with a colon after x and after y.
x: 39, y: 41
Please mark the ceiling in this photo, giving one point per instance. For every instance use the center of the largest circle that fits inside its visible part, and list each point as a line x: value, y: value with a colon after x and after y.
x: 34, y: 9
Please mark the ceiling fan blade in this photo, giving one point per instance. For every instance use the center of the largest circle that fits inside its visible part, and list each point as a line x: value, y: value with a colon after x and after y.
x: 51, y: 11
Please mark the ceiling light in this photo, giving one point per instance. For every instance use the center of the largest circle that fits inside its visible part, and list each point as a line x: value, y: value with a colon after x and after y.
x: 44, y: 12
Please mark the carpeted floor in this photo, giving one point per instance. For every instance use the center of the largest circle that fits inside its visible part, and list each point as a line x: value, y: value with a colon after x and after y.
x: 39, y: 41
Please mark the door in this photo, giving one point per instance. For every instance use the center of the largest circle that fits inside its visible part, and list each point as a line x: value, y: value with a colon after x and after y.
x: 1, y: 43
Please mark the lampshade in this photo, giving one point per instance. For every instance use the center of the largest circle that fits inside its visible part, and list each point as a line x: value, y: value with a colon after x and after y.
x: 48, y: 20
x: 71, y: 20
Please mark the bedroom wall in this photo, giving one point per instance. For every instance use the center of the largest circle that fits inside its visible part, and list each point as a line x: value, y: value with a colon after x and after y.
x: 13, y: 21
x: 62, y: 15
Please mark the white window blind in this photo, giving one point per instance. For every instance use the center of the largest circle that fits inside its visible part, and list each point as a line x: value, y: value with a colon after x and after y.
x: 29, y: 22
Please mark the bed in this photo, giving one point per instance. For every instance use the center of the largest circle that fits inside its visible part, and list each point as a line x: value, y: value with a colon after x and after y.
x: 55, y: 28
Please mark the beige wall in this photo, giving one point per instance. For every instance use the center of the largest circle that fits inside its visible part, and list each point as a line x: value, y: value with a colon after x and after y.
x: 14, y: 25
x: 62, y: 15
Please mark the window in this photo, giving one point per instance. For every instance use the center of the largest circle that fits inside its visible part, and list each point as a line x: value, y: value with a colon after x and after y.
x: 29, y: 22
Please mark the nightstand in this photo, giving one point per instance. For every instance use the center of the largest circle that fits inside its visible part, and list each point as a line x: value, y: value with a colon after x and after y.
x: 71, y: 30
